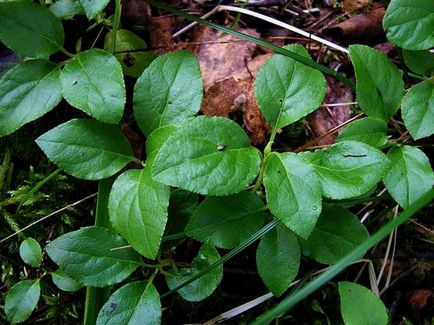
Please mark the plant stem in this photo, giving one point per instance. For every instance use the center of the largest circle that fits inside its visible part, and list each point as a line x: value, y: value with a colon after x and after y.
x: 343, y: 263
x: 66, y: 52
x: 347, y: 82
x: 118, y: 10
x: 96, y: 297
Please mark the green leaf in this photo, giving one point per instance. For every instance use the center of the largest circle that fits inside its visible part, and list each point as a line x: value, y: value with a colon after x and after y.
x: 410, y: 175
x: 287, y: 90
x: 336, y: 233
x: 64, y: 282
x: 66, y: 9
x: 130, y: 52
x: 134, y: 303
x: 30, y: 252
x: 93, y: 7
x: 21, y: 300
x: 205, y: 285
x: 156, y: 139
x: 367, y: 130
x: 93, y: 82
x: 360, y: 306
x: 28, y: 90
x: 421, y: 62
x: 30, y: 30
x: 169, y: 91
x: 87, y: 149
x: 293, y: 192
x: 418, y: 109
x: 278, y: 259
x: 87, y: 256
x: 379, y: 86
x: 410, y: 24
x: 138, y: 209
x: 207, y: 155
x: 348, y: 169
x: 227, y: 221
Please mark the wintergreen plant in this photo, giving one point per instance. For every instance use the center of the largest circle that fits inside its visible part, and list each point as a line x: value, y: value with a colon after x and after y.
x: 189, y: 155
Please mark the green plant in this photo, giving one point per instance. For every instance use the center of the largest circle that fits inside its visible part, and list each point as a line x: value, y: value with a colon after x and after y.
x: 300, y: 195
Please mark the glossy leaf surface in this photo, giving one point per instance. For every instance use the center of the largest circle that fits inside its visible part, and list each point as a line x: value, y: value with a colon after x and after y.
x: 207, y: 155
x: 30, y: 30
x: 336, y: 233
x: 421, y: 62
x: 93, y: 82
x: 21, y: 300
x: 379, y: 86
x: 64, y: 282
x: 28, y: 90
x: 138, y: 209
x: 87, y: 149
x: 418, y: 109
x: 134, y: 303
x: 278, y: 259
x: 368, y: 130
x: 93, y: 7
x: 348, y: 169
x: 205, y: 285
x: 287, y: 90
x: 293, y: 192
x: 30, y: 252
x: 87, y: 255
x: 410, y: 175
x: 410, y: 24
x: 169, y: 91
x: 227, y: 221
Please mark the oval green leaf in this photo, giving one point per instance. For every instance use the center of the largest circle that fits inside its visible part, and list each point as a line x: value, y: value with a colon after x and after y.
x: 87, y: 149
x: 207, y: 155
x: 64, y: 282
x: 293, y: 192
x: 156, y: 139
x: 66, y: 9
x: 130, y: 52
x: 31, y: 252
x: 418, y: 109
x: 348, y: 169
x: 30, y: 30
x: 169, y: 91
x: 93, y: 82
x: 421, y: 62
x: 93, y: 7
x: 368, y: 130
x: 379, y: 86
x: 28, y: 91
x: 21, y: 300
x: 138, y: 209
x: 287, y: 90
x: 410, y: 175
x: 278, y: 259
x: 227, y: 221
x: 336, y: 233
x: 360, y: 306
x: 205, y: 285
x: 87, y: 256
x: 134, y: 303
x: 410, y: 24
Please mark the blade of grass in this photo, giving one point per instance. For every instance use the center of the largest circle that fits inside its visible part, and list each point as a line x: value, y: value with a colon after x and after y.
x: 261, y: 232
x: 356, y: 253
x: 347, y: 82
